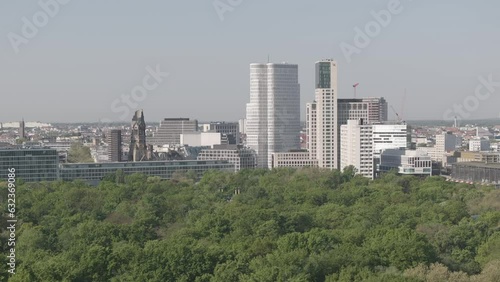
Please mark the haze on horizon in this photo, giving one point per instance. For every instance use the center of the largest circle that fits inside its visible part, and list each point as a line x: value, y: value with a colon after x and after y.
x: 91, y: 52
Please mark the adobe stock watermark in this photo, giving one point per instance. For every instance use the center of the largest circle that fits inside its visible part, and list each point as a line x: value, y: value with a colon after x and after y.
x: 127, y: 103
x: 471, y: 103
x: 223, y: 6
x: 30, y: 28
x: 363, y: 37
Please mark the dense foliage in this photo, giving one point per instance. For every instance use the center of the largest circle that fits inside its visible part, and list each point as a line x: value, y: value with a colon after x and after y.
x: 78, y: 153
x: 257, y: 225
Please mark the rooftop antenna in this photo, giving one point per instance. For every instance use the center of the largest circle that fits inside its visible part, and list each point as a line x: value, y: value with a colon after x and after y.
x: 268, y: 58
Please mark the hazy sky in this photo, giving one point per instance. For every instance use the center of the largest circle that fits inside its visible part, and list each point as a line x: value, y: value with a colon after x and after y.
x: 92, y: 52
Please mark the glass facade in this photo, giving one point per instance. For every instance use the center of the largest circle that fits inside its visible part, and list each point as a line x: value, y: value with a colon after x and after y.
x: 165, y: 169
x: 31, y: 165
x: 323, y: 75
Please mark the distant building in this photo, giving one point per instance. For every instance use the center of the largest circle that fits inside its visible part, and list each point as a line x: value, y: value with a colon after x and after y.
x: 94, y: 173
x: 115, y: 145
x: 391, y: 136
x: 475, y: 172
x: 273, y: 113
x: 483, y: 157
x: 31, y: 165
x: 242, y: 123
x: 241, y: 157
x: 406, y: 162
x: 377, y: 109
x: 139, y: 150
x: 230, y: 131
x: 170, y: 130
x: 22, y: 131
x: 479, y: 144
x: 293, y: 159
x: 200, y: 139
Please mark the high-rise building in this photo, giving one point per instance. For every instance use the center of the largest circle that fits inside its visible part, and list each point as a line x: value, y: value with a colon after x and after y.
x: 170, y: 130
x: 377, y: 109
x: 139, y: 150
x: 357, y: 147
x: 326, y: 96
x: 115, y: 145
x: 273, y: 113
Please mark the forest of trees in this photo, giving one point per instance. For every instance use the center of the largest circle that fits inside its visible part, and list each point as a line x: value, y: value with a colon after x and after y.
x: 256, y: 225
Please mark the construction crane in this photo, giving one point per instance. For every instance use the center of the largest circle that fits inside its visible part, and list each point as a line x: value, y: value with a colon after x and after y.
x: 397, y: 115
x: 354, y: 86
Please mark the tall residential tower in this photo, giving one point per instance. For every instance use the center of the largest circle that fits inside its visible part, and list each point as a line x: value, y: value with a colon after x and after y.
x: 326, y: 95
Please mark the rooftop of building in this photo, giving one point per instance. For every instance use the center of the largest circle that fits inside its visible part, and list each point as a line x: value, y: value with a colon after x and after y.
x: 478, y: 164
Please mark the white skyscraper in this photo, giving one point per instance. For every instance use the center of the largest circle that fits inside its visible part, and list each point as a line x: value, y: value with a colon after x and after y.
x: 326, y: 95
x: 273, y: 114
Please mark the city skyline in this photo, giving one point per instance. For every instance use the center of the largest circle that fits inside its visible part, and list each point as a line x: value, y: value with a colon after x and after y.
x: 74, y: 67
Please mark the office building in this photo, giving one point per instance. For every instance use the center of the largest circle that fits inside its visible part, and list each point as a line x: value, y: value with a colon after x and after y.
x: 230, y: 131
x: 482, y: 157
x: 377, y: 109
x: 406, y: 162
x: 391, y: 136
x: 200, y: 139
x: 479, y: 144
x: 327, y: 113
x: 475, y: 172
x: 242, y: 125
x: 273, y: 113
x: 114, y: 139
x: 94, y: 173
x: 357, y: 147
x: 241, y: 157
x: 293, y: 159
x: 31, y: 165
x: 170, y: 130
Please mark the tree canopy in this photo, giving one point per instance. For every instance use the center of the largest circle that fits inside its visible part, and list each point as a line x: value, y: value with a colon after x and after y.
x: 256, y: 225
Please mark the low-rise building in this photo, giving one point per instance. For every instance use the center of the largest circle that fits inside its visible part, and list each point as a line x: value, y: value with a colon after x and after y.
x: 293, y: 159
x: 31, y: 165
x: 482, y: 157
x: 406, y: 162
x: 475, y: 172
x: 95, y: 172
x: 241, y: 157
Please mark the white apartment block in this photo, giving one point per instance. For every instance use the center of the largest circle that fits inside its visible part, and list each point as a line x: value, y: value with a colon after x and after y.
x: 273, y: 113
x: 293, y: 159
x: 390, y: 136
x: 357, y: 147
